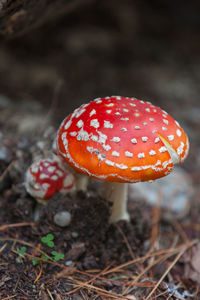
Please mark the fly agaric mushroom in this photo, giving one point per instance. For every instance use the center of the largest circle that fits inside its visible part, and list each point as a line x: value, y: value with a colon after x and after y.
x: 45, y: 177
x: 121, y: 140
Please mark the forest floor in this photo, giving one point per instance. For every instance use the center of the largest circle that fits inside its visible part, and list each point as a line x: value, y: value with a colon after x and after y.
x: 153, y: 256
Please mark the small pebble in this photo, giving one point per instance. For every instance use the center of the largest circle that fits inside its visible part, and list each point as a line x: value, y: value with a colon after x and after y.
x: 68, y: 263
x: 62, y: 218
x: 74, y: 234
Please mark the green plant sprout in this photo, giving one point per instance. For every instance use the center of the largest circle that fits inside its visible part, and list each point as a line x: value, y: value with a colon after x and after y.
x: 35, y: 260
x: 57, y: 256
x: 48, y: 240
x: 21, y: 251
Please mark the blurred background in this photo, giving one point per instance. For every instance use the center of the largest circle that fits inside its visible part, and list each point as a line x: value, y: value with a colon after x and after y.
x: 56, y: 56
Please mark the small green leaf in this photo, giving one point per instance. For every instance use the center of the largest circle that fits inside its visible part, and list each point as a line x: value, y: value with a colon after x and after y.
x: 21, y: 251
x: 50, y: 244
x: 45, y: 257
x: 48, y: 240
x: 57, y: 256
x: 35, y: 261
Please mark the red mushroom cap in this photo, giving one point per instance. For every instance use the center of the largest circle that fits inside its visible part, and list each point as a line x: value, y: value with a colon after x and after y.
x: 122, y: 139
x: 45, y: 177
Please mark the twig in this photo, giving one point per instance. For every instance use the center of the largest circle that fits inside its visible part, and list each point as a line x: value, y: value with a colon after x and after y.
x: 126, y: 241
x: 45, y: 260
x: 40, y: 273
x: 5, y: 172
x: 180, y: 230
x: 170, y: 267
x: 155, y: 228
x: 6, y: 226
x: 89, y: 281
x: 196, y: 292
x: 104, y: 292
x: 159, y: 259
x: 140, y: 259
x: 3, y: 247
x: 155, y: 262
x: 9, y: 297
x: 50, y: 295
x: 139, y: 266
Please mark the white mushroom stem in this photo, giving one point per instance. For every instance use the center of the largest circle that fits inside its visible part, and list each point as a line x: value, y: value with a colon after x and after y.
x: 117, y: 193
x: 40, y: 204
x: 82, y: 181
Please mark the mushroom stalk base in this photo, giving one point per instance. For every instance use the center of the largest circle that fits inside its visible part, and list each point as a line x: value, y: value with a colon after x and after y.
x: 117, y: 193
x: 38, y: 209
x: 82, y: 182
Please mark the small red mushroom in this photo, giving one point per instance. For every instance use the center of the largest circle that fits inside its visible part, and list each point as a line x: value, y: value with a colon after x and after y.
x: 45, y: 177
x: 121, y: 140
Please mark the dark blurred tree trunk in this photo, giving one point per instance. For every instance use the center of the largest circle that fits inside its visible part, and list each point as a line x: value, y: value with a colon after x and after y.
x: 19, y: 16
